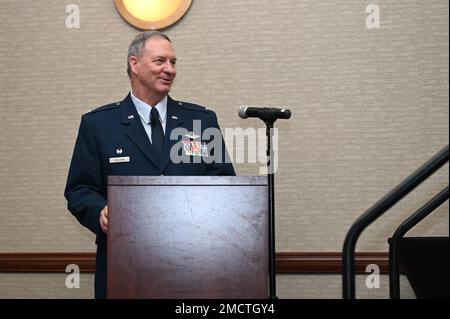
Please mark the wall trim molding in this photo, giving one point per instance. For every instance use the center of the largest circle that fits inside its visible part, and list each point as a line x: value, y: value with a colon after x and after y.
x: 45, y: 262
x: 327, y: 262
x: 286, y: 262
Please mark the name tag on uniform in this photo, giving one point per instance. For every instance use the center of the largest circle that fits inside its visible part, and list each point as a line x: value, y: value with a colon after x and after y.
x: 195, y: 148
x: 119, y: 159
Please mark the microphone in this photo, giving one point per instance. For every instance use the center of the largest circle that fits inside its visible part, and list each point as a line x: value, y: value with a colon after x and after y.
x: 264, y: 113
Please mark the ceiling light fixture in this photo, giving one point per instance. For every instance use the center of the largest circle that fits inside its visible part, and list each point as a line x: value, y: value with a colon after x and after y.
x: 152, y: 14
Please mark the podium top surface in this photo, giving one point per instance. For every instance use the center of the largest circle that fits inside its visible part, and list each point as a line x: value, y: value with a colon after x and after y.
x: 188, y: 180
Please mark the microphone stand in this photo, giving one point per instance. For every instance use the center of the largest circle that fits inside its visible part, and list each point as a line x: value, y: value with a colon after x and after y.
x: 269, y: 116
x: 271, y: 180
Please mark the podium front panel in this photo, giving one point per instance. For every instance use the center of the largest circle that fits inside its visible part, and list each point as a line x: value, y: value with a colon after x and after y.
x: 187, y: 237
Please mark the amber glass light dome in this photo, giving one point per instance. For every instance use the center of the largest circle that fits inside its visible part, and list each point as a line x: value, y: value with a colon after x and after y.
x: 152, y: 14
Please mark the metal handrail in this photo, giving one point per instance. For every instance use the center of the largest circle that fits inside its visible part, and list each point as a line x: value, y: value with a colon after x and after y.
x: 410, y: 222
x: 380, y: 207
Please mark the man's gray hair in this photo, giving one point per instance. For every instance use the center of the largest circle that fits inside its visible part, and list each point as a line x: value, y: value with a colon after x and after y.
x: 136, y: 47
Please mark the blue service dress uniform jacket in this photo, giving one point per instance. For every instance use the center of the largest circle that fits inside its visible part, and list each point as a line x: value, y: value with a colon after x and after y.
x: 115, y: 130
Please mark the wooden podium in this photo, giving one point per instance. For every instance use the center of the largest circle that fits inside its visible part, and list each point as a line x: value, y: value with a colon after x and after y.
x: 187, y: 237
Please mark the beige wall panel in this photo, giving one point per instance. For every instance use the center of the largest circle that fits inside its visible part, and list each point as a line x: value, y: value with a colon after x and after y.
x: 44, y: 286
x: 288, y: 287
x: 330, y: 287
x: 369, y: 106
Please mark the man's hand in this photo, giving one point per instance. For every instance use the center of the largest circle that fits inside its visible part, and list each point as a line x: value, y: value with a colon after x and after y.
x: 104, y: 219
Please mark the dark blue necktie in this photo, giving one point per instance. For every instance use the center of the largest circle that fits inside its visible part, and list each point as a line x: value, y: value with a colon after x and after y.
x: 157, y: 134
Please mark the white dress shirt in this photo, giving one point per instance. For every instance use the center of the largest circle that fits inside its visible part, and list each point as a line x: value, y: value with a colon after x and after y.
x: 144, y: 110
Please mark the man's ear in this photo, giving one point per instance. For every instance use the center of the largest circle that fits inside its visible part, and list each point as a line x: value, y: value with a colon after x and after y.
x: 133, y: 64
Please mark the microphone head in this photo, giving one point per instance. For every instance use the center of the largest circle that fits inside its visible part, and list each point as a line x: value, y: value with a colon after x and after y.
x: 287, y: 113
x: 242, y: 109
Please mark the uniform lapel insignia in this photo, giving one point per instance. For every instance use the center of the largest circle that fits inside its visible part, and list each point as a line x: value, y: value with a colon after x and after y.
x: 192, y: 135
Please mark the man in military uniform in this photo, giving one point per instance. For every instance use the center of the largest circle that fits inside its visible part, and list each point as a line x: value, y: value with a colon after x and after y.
x: 133, y: 137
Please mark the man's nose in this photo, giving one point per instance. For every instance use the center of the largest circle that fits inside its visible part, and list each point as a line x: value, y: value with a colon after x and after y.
x: 169, y: 68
